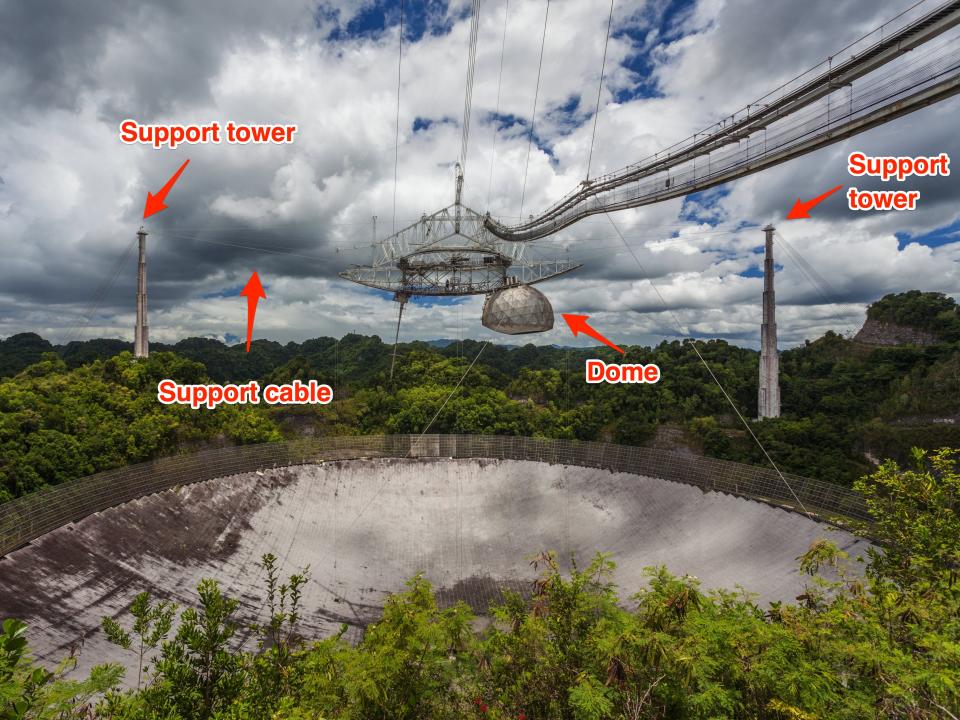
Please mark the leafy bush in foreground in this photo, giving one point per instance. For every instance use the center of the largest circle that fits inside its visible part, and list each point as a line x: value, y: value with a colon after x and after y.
x: 30, y: 691
x: 882, y: 645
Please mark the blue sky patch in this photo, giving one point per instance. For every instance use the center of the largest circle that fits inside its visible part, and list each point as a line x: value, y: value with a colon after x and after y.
x: 756, y: 271
x: 225, y: 292
x: 421, y: 123
x: 442, y: 300
x: 702, y: 207
x: 429, y: 17
x: 569, y: 116
x: 941, y: 236
x: 422, y: 300
x: 659, y: 23
x: 504, y: 121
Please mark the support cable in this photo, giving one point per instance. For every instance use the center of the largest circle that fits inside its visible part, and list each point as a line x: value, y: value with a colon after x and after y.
x: 468, y: 92
x: 416, y: 442
x: 77, y: 328
x: 824, y: 288
x: 396, y: 339
x: 692, y: 342
x: 815, y: 284
x: 596, y: 113
x: 396, y: 142
x: 242, y: 246
x: 496, y: 112
x: 794, y: 139
x: 452, y: 392
x: 533, y: 115
x: 280, y: 250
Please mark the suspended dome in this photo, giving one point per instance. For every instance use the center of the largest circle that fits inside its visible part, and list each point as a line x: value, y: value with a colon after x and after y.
x: 516, y: 310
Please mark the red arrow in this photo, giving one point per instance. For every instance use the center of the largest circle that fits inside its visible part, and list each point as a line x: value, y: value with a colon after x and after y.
x: 801, y: 209
x: 254, y: 291
x: 155, y: 202
x: 578, y: 324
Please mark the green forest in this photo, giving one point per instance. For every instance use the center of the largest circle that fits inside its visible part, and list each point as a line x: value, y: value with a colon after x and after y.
x: 925, y: 311
x: 883, y: 644
x: 88, y: 406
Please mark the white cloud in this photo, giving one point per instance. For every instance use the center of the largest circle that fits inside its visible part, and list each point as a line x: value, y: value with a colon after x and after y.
x: 71, y: 194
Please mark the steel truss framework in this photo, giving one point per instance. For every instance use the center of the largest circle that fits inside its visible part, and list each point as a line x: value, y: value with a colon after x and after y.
x: 840, y: 98
x: 451, y: 253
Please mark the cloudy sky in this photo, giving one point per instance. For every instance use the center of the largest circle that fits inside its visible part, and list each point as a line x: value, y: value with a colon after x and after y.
x: 72, y: 195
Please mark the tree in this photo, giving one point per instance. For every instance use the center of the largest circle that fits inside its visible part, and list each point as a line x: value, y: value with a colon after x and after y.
x: 917, y: 518
x: 151, y: 624
x: 273, y: 672
x: 31, y: 692
x: 197, y: 673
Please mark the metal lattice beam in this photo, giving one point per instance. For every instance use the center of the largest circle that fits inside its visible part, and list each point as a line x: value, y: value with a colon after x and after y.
x: 841, y: 98
x: 451, y: 253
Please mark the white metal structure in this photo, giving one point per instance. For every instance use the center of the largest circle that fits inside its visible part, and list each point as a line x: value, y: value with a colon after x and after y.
x: 451, y: 253
x: 909, y: 63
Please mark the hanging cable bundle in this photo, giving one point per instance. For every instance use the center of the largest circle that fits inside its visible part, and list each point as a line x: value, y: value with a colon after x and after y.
x: 79, y: 325
x: 396, y: 142
x: 596, y: 113
x: 496, y: 112
x: 816, y: 280
x: 533, y: 115
x: 468, y: 93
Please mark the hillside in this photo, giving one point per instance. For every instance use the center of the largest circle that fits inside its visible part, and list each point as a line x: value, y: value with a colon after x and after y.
x: 911, y: 318
x: 57, y: 424
x: 841, y: 400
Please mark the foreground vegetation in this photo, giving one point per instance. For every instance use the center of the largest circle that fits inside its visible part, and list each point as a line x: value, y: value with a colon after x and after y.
x: 883, y: 644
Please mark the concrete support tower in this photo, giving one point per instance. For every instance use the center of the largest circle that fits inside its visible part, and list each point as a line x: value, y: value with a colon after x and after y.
x: 768, y: 400
x: 141, y: 343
